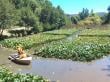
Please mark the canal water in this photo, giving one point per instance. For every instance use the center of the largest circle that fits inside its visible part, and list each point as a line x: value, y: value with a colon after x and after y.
x: 61, y: 70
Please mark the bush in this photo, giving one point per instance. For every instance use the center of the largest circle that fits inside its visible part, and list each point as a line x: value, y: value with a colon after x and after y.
x: 91, y: 20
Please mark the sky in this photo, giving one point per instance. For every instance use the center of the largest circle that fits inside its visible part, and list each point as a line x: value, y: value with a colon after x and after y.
x: 76, y: 6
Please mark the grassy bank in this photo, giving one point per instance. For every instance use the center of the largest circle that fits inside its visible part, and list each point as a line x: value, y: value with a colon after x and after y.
x: 96, y: 32
x: 7, y: 76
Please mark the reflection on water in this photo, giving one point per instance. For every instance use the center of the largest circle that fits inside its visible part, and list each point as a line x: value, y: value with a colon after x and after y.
x: 69, y: 71
x: 62, y: 70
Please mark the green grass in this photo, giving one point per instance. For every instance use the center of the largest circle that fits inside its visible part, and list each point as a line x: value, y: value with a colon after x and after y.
x: 96, y: 32
x: 37, y: 39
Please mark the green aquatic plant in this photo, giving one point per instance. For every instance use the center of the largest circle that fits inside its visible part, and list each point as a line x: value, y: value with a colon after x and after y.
x: 37, y: 39
x: 81, y: 49
x: 8, y: 76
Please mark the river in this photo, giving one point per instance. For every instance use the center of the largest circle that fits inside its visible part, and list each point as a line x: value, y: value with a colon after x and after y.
x: 61, y: 70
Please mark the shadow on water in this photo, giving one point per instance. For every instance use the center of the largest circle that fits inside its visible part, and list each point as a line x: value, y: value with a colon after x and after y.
x: 70, y: 71
x: 107, y: 68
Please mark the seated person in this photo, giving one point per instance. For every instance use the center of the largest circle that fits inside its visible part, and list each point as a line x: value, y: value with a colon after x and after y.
x: 21, y: 52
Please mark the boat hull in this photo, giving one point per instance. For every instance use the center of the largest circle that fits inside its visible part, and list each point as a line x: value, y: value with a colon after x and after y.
x: 23, y: 61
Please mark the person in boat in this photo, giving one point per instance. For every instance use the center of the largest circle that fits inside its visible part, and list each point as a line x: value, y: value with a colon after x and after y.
x: 21, y: 52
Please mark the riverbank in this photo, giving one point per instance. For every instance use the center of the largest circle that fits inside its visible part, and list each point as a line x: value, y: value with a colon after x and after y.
x: 71, y: 46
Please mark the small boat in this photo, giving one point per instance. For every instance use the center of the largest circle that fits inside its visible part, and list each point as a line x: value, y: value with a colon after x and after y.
x: 23, y: 61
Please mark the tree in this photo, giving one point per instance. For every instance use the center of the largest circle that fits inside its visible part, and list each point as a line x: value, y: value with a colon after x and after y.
x: 108, y: 9
x: 61, y: 20
x: 26, y: 17
x: 45, y: 15
x: 31, y: 13
x: 91, y: 20
x: 57, y: 18
x: 53, y: 16
x: 108, y: 16
x: 7, y: 15
x: 84, y: 13
x: 75, y: 19
x: 92, y: 13
x: 18, y: 3
x: 29, y: 20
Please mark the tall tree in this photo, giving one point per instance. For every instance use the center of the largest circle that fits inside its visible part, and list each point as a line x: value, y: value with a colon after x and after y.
x: 7, y: 15
x: 84, y: 13
x: 75, y: 19
x: 32, y: 13
x: 107, y: 17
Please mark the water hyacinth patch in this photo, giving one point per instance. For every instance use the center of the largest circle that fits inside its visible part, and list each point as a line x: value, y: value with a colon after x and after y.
x: 7, y: 76
x: 82, y: 49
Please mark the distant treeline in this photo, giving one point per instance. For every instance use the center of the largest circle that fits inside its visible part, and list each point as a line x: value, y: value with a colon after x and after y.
x: 41, y: 16
x: 87, y: 18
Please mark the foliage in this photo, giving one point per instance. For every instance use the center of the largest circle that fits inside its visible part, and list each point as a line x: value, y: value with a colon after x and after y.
x: 82, y: 49
x: 91, y: 20
x: 52, y: 17
x: 108, y: 9
x: 34, y: 40
x: 84, y: 14
x: 85, y: 18
x: 39, y: 14
x: 75, y: 19
x: 7, y: 15
x: 107, y: 17
x: 95, y: 32
x: 7, y: 76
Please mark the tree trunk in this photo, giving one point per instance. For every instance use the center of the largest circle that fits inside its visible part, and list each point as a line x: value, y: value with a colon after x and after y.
x: 1, y: 32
